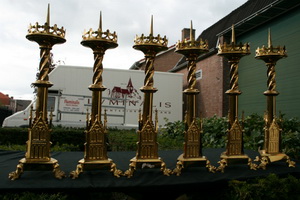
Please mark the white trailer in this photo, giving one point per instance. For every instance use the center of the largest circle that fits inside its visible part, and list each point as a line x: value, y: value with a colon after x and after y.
x: 70, y: 98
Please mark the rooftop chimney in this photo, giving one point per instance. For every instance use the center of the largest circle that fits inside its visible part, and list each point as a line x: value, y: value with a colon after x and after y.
x: 185, y: 33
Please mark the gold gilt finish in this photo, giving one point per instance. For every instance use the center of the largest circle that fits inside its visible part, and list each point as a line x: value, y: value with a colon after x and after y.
x: 234, y: 149
x: 147, y: 146
x: 192, y: 153
x: 37, y: 155
x: 272, y: 139
x: 95, y: 153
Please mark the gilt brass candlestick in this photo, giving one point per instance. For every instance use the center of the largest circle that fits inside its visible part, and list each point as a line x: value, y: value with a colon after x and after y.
x: 37, y: 155
x: 234, y: 150
x: 272, y: 139
x: 192, y: 152
x: 147, y: 146
x: 95, y: 152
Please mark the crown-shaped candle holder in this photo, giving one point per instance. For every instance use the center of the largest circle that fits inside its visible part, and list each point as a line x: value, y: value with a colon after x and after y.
x: 37, y: 155
x: 234, y: 149
x: 192, y: 152
x: 147, y: 146
x: 191, y: 46
x: 95, y: 152
x: 272, y: 138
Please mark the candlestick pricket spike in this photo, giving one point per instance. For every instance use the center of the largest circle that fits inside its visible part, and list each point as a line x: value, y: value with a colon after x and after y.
x: 147, y: 147
x: 95, y: 153
x: 192, y: 155
x: 272, y: 139
x: 37, y: 155
x: 234, y: 150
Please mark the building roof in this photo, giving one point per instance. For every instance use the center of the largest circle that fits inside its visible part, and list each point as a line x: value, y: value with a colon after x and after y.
x: 251, y: 14
x: 139, y: 63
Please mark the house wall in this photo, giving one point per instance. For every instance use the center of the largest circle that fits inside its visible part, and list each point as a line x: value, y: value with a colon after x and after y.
x: 211, y: 100
x: 253, y: 73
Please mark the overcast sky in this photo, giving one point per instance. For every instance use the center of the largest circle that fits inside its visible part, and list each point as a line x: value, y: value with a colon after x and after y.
x: 20, y: 57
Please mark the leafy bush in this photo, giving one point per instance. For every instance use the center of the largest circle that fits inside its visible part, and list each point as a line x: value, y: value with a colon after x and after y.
x: 13, y: 147
x: 171, y: 136
x: 122, y: 140
x: 214, y: 132
x: 271, y: 187
x: 253, y: 132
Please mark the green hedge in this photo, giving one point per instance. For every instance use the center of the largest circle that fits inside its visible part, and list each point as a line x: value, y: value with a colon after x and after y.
x: 67, y: 139
x: 169, y: 137
x: 215, y: 134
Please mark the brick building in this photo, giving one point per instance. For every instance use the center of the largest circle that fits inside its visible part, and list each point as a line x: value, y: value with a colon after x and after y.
x: 251, y: 20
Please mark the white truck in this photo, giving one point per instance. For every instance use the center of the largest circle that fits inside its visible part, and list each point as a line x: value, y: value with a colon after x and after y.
x: 70, y: 98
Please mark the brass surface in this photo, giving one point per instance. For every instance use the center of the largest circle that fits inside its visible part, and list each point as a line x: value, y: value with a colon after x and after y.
x: 272, y: 139
x: 95, y: 152
x: 147, y: 146
x: 37, y: 155
x: 192, y: 151
x: 235, y: 159
x: 234, y: 149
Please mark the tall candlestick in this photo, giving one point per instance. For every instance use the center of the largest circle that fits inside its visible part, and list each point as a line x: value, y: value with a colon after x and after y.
x: 272, y: 139
x: 234, y: 149
x: 147, y: 146
x: 192, y: 152
x: 95, y: 152
x: 38, y: 144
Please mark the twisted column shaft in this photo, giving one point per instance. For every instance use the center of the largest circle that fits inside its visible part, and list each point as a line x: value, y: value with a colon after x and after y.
x: 42, y: 83
x: 148, y: 88
x: 44, y: 63
x: 191, y: 92
x: 234, y: 76
x: 234, y: 91
x: 191, y: 72
x: 98, y: 68
x: 271, y: 77
x: 271, y: 93
x: 97, y: 88
x: 149, y: 71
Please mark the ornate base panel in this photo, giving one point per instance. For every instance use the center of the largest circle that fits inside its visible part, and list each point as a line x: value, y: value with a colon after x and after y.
x: 146, y: 163
x: 27, y: 165
x: 192, y: 162
x: 84, y: 165
x: 235, y: 159
x: 266, y: 159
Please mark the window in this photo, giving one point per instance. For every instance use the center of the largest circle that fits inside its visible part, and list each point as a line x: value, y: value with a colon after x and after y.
x: 51, y: 103
x: 199, y: 74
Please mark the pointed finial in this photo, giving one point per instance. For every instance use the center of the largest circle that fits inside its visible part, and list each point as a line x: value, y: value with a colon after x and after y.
x: 48, y: 15
x: 100, y: 21
x: 233, y: 34
x: 151, y: 26
x: 191, y: 32
x: 269, y: 39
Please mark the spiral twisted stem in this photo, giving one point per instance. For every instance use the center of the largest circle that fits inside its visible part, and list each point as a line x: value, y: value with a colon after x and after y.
x: 192, y: 74
x: 44, y: 64
x: 234, y: 76
x: 98, y: 69
x: 149, y: 71
x: 271, y: 77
